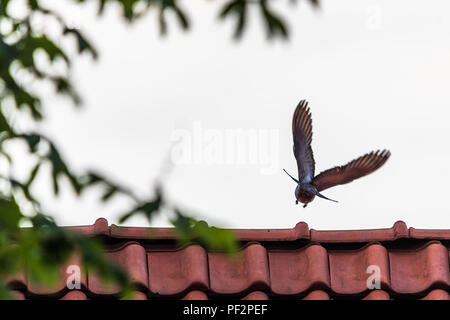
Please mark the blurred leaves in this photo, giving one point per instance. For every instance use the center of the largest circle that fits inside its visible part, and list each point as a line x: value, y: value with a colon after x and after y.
x: 19, y: 45
x: 31, y: 57
x: 52, y: 156
x: 147, y: 208
x: 83, y: 45
x: 274, y: 24
x: 236, y: 8
x: 134, y: 9
x: 10, y: 215
x: 187, y: 228
x: 111, y: 189
x: 214, y: 239
x: 276, y: 27
x: 40, y: 251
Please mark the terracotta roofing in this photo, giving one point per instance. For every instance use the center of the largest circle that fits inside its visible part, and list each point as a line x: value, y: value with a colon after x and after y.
x: 297, y: 263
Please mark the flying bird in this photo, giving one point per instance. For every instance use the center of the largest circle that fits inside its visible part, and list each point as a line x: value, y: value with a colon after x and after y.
x: 310, y: 186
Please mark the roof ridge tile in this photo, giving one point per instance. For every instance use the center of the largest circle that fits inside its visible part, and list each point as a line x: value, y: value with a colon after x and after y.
x: 438, y: 234
x: 397, y: 231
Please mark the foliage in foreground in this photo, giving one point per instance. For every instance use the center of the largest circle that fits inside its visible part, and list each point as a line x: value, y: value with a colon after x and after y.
x: 30, y: 56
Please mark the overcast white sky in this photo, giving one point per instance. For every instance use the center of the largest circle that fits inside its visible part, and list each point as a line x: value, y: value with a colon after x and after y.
x: 376, y: 73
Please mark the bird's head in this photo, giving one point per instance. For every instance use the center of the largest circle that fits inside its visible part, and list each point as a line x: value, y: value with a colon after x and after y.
x: 306, y: 192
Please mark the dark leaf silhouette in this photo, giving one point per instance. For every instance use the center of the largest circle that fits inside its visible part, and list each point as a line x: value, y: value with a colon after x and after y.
x: 237, y: 8
x: 148, y: 208
x: 215, y: 239
x: 274, y: 25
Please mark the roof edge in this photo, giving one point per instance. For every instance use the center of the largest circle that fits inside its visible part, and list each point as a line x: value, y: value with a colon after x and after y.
x: 301, y: 231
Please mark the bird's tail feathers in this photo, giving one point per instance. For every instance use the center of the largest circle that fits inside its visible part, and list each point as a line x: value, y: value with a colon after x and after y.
x: 317, y: 193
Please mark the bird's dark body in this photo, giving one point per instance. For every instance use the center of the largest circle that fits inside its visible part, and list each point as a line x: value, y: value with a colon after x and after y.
x: 310, y: 185
x: 303, y: 195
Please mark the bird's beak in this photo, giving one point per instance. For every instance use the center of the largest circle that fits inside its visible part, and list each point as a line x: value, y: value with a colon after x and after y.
x: 323, y: 197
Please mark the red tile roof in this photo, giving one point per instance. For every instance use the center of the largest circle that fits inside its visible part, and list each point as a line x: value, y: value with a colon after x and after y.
x: 297, y: 263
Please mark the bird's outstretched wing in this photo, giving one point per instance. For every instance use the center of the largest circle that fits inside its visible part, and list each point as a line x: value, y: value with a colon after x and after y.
x: 355, y: 169
x: 302, y: 133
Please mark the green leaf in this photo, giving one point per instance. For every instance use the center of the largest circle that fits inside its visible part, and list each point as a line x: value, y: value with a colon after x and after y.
x: 111, y: 189
x: 32, y: 140
x: 128, y: 9
x: 182, y: 18
x: 215, y: 239
x: 274, y: 25
x: 148, y: 209
x: 52, y: 50
x: 162, y: 23
x: 59, y: 168
x: 24, y: 188
x: 33, y: 174
x: 22, y: 97
x: 9, y: 215
x: 33, y: 4
x: 3, y: 7
x: 101, y: 6
x: 237, y: 8
x: 5, y: 293
x: 109, y: 193
x: 83, y: 44
x: 63, y: 86
x: 4, y: 125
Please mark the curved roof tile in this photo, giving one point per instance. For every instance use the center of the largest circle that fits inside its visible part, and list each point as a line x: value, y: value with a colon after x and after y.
x: 416, y: 270
x: 131, y: 256
x: 289, y: 263
x: 172, y: 272
x: 256, y: 295
x: 351, y: 270
x: 377, y: 295
x: 195, y: 295
x: 437, y: 294
x: 295, y: 271
x: 317, y: 295
x: 249, y: 269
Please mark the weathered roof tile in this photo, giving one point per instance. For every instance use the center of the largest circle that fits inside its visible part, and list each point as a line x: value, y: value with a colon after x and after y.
x: 295, y: 271
x: 317, y: 295
x: 249, y: 269
x: 377, y: 295
x: 195, y: 295
x: 437, y: 294
x: 351, y: 269
x: 398, y: 231
x: 256, y: 295
x: 172, y: 272
x: 296, y: 263
x: 132, y: 257
x: 74, y: 295
x: 414, y: 271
